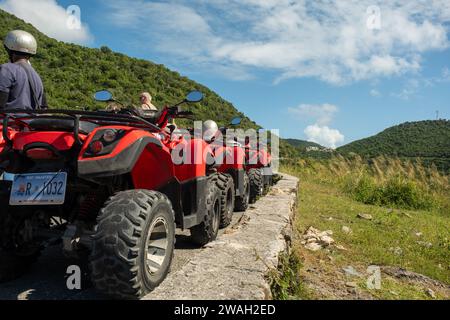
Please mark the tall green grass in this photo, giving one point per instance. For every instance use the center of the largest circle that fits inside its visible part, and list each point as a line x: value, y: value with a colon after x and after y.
x: 285, y: 282
x: 381, y: 181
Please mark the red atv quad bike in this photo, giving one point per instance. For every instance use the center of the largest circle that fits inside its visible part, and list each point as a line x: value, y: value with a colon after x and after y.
x: 233, y: 180
x: 106, y: 186
x: 244, y: 172
x: 258, y: 167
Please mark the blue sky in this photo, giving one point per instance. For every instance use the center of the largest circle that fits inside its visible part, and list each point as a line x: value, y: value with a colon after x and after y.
x: 329, y: 73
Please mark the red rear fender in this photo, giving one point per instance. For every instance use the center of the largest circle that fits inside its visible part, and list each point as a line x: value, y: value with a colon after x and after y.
x: 129, y: 138
x: 192, y: 164
x: 234, y: 158
x: 138, y: 152
x: 264, y: 158
x: 60, y: 140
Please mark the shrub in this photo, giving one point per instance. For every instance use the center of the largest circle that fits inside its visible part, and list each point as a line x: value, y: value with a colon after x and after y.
x: 407, y: 194
x: 364, y: 190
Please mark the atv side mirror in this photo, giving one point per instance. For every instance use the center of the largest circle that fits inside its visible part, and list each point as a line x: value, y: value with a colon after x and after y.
x: 103, y: 95
x: 194, y: 96
x: 236, y: 121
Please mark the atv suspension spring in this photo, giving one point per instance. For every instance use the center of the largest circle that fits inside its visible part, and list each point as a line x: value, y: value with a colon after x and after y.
x: 90, y: 207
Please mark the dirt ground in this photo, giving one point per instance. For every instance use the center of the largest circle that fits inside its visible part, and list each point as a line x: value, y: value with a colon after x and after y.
x: 325, y: 280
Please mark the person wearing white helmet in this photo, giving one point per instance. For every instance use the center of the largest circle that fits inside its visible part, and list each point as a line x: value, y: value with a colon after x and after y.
x: 210, y: 130
x: 21, y: 86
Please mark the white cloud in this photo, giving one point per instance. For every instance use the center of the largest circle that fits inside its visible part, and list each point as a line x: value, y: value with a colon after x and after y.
x: 375, y: 93
x: 409, y: 89
x: 445, y: 75
x: 48, y: 17
x: 295, y: 38
x: 324, y: 135
x: 322, y: 115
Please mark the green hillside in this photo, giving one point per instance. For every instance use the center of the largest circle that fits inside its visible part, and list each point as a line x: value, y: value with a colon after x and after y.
x: 303, y: 144
x: 72, y: 73
x: 429, y: 140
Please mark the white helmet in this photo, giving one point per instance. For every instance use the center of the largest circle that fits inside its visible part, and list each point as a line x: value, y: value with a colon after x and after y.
x: 21, y: 41
x: 210, y: 129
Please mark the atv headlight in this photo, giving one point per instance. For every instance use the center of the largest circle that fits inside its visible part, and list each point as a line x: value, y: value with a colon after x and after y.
x: 104, y: 142
x: 110, y: 135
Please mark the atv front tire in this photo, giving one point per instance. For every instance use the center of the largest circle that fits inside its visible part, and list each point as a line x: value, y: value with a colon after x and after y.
x: 256, y: 184
x: 225, y: 184
x: 242, y: 201
x: 207, y: 231
x: 133, y: 245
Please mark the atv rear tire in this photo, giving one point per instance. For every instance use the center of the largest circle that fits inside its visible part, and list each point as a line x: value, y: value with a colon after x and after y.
x: 207, y: 231
x: 133, y: 245
x: 225, y: 184
x: 242, y: 202
x: 256, y: 184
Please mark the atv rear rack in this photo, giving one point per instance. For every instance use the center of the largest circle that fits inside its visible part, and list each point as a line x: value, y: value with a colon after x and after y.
x: 19, y: 118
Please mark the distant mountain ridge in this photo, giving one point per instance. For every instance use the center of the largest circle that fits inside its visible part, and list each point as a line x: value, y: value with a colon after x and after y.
x: 429, y: 140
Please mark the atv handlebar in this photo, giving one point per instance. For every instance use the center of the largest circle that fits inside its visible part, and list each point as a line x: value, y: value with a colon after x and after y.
x: 170, y: 113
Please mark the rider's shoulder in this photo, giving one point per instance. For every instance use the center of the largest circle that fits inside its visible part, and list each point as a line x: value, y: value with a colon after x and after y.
x: 11, y: 67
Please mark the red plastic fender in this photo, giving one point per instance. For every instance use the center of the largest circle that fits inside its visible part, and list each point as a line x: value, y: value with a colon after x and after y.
x: 234, y: 159
x: 131, y: 136
x: 60, y: 140
x: 264, y: 158
x: 194, y: 154
x: 154, y: 168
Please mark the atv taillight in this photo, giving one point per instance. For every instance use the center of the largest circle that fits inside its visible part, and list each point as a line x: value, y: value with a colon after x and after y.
x: 104, y: 142
x: 96, y: 147
x: 40, y: 154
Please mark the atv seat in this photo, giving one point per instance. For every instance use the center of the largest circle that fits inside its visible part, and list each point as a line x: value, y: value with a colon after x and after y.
x: 48, y: 124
